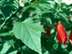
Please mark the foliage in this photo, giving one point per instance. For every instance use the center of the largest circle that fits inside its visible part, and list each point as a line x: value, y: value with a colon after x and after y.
x: 30, y: 27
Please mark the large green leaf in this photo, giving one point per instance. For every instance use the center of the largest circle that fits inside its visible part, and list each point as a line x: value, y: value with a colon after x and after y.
x: 29, y: 33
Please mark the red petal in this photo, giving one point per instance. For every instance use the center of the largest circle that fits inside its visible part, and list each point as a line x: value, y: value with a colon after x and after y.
x: 47, y: 32
x: 36, y: 0
x: 61, y: 34
x: 58, y: 37
x: 70, y: 37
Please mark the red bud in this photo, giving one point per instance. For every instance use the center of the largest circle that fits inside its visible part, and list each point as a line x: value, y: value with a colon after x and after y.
x: 47, y: 32
x: 61, y: 34
x: 70, y: 37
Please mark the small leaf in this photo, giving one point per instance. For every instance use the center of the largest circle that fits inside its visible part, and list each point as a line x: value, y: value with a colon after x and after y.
x: 5, y: 48
x: 46, y: 52
x: 13, y: 52
x: 59, y: 1
x: 11, y: 42
x: 70, y: 52
x: 4, y: 34
x: 12, y: 5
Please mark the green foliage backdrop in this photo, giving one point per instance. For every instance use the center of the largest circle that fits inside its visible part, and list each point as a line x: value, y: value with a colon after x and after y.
x: 23, y: 25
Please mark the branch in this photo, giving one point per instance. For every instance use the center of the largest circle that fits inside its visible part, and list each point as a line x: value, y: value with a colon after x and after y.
x: 10, y: 17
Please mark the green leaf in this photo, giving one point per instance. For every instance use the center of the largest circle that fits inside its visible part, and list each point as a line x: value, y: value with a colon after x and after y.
x: 13, y: 52
x: 35, y: 3
x: 26, y: 1
x: 29, y: 33
x: 59, y: 1
x: 12, y: 5
x: 11, y: 42
x: 68, y: 32
x: 52, y: 31
x: 46, y: 52
x: 63, y: 15
x: 43, y: 12
x: 63, y: 46
x: 5, y: 48
x: 66, y: 11
x: 4, y: 34
x: 70, y: 52
x: 47, y: 6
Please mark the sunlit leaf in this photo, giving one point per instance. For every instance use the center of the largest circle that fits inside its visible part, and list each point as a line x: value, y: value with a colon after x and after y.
x: 29, y: 33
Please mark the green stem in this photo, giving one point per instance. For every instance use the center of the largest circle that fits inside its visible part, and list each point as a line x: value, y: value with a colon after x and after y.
x: 10, y: 18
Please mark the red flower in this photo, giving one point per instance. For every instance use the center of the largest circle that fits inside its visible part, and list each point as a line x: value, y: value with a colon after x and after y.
x: 36, y: 0
x: 61, y: 34
x: 47, y: 32
x: 70, y: 37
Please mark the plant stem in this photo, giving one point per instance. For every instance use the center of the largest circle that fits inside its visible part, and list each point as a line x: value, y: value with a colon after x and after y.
x: 10, y: 18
